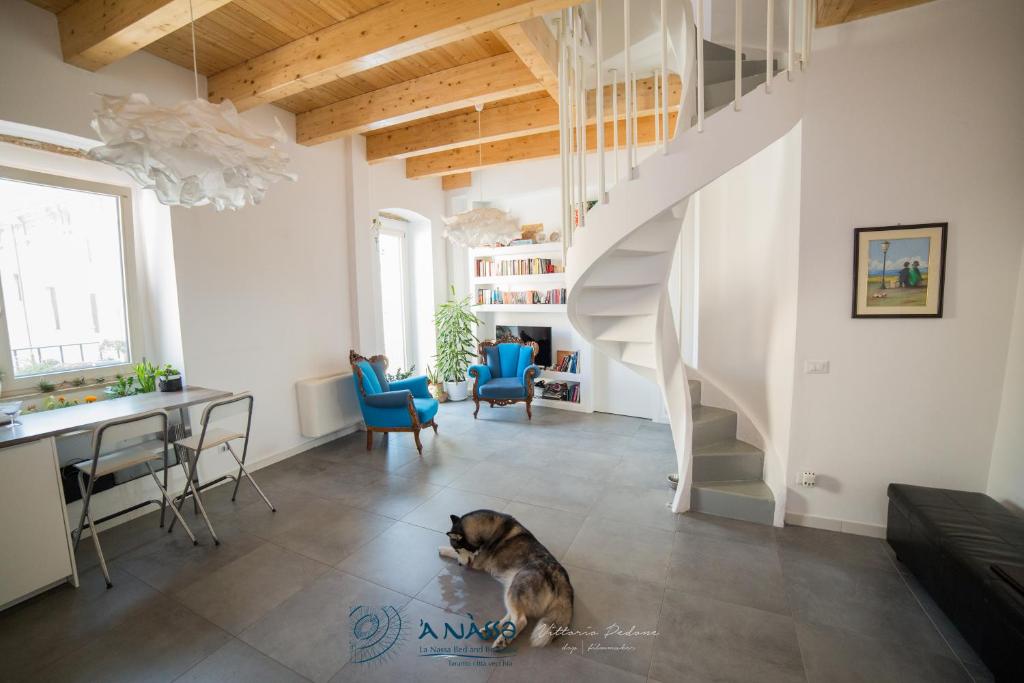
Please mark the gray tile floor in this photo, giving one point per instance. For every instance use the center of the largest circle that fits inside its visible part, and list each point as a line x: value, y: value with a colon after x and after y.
x: 730, y: 601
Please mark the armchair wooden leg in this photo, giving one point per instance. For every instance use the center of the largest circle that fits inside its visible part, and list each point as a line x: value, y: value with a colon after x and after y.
x: 529, y: 412
x: 477, y: 402
x: 369, y: 439
x: 434, y: 425
x: 416, y: 436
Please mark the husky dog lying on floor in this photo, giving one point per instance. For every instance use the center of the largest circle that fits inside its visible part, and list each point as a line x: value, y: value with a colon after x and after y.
x: 536, y: 585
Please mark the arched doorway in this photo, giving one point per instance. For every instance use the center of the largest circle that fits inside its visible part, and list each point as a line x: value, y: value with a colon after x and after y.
x: 405, y: 282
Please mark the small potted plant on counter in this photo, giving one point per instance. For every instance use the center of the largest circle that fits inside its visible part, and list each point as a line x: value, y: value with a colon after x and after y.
x: 122, y: 386
x: 170, y: 378
x: 456, y: 344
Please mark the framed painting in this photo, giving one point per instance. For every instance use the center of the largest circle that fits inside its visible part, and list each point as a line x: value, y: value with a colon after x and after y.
x: 899, y: 271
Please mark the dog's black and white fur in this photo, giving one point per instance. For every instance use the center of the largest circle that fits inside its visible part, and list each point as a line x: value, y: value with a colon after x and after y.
x: 536, y: 585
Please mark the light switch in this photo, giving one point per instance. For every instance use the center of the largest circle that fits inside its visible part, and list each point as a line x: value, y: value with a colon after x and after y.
x: 816, y: 367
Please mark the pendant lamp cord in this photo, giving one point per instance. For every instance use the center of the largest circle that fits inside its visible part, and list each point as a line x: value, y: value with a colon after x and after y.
x: 195, y: 65
x: 480, y: 146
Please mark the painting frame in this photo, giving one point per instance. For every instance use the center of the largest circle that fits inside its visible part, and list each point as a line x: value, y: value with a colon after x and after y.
x: 935, y: 278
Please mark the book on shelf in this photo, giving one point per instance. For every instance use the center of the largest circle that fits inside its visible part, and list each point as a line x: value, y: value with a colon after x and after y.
x: 489, y: 267
x: 497, y: 296
x: 559, y: 391
x: 567, y: 361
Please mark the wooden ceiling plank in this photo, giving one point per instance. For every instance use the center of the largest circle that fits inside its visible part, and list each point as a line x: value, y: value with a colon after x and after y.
x: 536, y: 46
x: 343, y: 9
x: 869, y: 8
x: 95, y: 33
x: 832, y: 12
x: 223, y: 38
x: 835, y: 12
x: 456, y: 181
x: 502, y: 122
x: 486, y: 80
x: 397, y: 29
x: 539, y: 146
x: 297, y: 18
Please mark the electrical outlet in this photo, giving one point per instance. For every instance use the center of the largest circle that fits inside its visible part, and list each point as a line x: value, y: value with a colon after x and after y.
x: 816, y: 367
x: 806, y: 479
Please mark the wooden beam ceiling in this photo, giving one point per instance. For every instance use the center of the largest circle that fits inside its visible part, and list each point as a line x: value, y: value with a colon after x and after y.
x: 533, y: 42
x: 834, y: 12
x: 409, y: 69
x: 540, y: 146
x: 456, y: 181
x: 501, y: 122
x: 95, y: 33
x: 383, y: 34
x: 484, y: 81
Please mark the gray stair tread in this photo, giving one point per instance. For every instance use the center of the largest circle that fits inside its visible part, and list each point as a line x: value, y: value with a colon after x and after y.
x: 728, y: 448
x: 747, y: 489
x: 724, y: 70
x: 710, y: 414
x: 716, y: 51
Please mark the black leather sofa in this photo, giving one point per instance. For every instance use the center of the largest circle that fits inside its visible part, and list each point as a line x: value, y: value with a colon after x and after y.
x: 967, y: 550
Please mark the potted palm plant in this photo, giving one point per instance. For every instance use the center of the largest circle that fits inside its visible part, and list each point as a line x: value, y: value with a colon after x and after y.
x: 456, y: 344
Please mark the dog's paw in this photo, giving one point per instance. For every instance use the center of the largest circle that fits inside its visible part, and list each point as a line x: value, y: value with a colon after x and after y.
x: 501, y: 643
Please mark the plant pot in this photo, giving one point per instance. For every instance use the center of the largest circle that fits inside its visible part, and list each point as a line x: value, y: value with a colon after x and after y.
x: 438, y: 392
x: 457, y: 391
x: 170, y: 383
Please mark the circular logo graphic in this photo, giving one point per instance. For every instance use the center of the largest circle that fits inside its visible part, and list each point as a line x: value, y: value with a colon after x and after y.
x: 374, y: 632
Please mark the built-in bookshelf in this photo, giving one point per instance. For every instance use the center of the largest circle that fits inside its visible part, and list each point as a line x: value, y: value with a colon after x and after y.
x: 524, y: 276
x: 534, y: 268
x: 561, y: 385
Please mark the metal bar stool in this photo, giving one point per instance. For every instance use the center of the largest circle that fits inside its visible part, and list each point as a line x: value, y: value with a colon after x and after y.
x: 212, y: 437
x: 119, y: 445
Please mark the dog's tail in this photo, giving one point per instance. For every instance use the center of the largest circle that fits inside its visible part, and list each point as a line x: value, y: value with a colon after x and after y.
x: 559, y: 614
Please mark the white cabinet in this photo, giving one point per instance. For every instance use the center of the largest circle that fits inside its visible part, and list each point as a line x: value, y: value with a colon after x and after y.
x: 35, y: 550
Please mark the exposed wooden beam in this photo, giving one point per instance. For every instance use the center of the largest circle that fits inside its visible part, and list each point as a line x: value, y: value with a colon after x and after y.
x: 486, y: 80
x: 456, y: 181
x: 95, y: 33
x: 833, y: 12
x: 533, y: 42
x: 540, y: 146
x: 388, y: 32
x: 499, y: 123
x: 31, y: 143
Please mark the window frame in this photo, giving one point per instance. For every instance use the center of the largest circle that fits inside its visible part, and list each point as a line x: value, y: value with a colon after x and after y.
x: 133, y: 318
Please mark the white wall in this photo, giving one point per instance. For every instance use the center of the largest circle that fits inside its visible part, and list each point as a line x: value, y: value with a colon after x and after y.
x: 1006, y: 474
x: 911, y: 116
x: 748, y: 224
x: 263, y: 294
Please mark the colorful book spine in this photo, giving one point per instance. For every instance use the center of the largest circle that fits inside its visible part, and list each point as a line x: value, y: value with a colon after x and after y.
x: 488, y: 267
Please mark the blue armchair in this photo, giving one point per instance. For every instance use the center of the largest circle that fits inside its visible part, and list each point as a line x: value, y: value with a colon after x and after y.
x: 402, y: 406
x: 505, y: 374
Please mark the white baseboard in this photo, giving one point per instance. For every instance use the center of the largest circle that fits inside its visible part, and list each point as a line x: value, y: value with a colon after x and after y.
x: 301, y: 448
x: 840, y: 525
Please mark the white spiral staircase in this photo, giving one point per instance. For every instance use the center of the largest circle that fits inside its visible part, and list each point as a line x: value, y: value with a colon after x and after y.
x: 618, y: 264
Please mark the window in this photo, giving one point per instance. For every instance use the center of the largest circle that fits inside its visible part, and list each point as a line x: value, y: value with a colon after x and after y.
x: 65, y: 246
x: 392, y: 294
